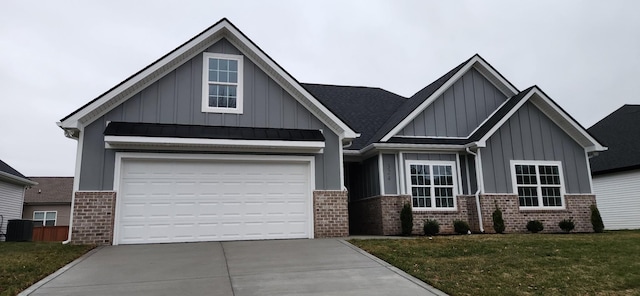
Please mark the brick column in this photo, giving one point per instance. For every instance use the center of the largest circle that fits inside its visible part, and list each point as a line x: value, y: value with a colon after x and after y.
x: 93, y: 217
x: 330, y: 213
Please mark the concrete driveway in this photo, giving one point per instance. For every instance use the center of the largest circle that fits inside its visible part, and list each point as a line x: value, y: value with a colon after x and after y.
x: 277, y: 267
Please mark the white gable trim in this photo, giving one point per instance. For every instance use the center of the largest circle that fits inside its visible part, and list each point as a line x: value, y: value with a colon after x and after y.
x: 557, y: 115
x: 477, y: 63
x: 158, y: 69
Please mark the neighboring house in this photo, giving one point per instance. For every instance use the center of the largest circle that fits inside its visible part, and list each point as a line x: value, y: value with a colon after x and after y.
x: 49, y: 202
x: 215, y: 141
x: 12, y: 187
x: 616, y: 172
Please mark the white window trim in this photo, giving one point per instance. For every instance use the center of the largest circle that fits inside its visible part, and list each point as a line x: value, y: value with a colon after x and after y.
x: 205, y: 83
x: 538, y: 163
x: 407, y: 171
x: 55, y: 221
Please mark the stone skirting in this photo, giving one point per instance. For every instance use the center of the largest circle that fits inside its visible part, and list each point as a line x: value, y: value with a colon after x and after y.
x: 93, y: 217
x: 515, y: 219
x: 330, y: 213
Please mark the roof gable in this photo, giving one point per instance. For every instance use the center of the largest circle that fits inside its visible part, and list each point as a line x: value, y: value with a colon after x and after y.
x: 459, y: 110
x: 222, y: 29
x: 548, y: 107
x: 620, y: 131
x: 425, y: 97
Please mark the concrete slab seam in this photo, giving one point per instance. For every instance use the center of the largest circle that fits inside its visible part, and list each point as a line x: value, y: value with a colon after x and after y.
x: 58, y: 272
x: 226, y: 263
x: 396, y: 270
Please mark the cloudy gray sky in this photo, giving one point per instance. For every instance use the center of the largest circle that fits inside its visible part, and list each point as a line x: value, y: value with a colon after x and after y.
x: 56, y: 56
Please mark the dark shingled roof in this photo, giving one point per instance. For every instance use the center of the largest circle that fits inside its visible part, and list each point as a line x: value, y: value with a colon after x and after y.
x: 210, y: 132
x: 4, y: 167
x: 50, y: 190
x: 620, y: 131
x: 364, y: 109
x: 373, y: 112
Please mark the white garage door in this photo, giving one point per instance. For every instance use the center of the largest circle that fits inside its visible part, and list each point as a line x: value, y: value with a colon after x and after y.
x: 170, y: 200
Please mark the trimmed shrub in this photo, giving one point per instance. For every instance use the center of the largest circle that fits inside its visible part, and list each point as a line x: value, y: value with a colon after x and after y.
x: 498, y: 222
x: 535, y: 226
x: 431, y: 227
x: 461, y: 227
x: 596, y: 219
x: 567, y: 225
x: 406, y: 218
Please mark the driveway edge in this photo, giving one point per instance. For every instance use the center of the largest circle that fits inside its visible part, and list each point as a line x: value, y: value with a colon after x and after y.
x: 58, y: 272
x: 398, y: 271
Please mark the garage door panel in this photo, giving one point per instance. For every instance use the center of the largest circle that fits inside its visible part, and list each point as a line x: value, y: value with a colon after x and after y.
x: 184, y: 201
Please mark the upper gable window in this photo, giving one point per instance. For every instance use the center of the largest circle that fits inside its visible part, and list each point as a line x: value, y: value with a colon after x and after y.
x: 222, y: 83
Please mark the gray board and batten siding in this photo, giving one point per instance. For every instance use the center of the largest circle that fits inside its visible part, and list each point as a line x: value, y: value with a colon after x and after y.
x: 176, y: 98
x: 459, y: 110
x: 530, y: 135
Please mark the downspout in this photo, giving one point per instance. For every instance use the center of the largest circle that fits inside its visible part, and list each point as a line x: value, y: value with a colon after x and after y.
x: 479, y: 184
x: 76, y: 179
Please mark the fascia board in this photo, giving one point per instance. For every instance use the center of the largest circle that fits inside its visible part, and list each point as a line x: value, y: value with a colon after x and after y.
x: 118, y: 141
x: 573, y: 129
x: 17, y: 180
x: 551, y: 110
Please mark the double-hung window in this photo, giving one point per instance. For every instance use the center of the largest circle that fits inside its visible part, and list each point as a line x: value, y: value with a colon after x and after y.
x: 538, y: 184
x: 222, y: 83
x: 44, y: 218
x: 432, y: 184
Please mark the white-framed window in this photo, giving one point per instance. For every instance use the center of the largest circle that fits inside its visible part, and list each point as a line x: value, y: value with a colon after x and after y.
x: 539, y: 184
x: 222, y: 83
x: 44, y: 218
x: 432, y: 184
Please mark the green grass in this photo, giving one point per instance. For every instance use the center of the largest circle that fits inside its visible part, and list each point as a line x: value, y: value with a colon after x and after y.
x: 24, y: 263
x: 519, y: 264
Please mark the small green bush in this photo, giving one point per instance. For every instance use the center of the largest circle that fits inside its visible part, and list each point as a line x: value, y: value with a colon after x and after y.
x: 431, y: 227
x: 567, y: 225
x: 498, y: 222
x: 406, y: 218
x: 535, y: 226
x: 596, y: 219
x: 461, y: 227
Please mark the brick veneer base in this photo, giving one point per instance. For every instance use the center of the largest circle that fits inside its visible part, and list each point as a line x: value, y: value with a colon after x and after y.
x: 93, y: 214
x: 577, y: 208
x: 330, y: 213
x: 380, y: 215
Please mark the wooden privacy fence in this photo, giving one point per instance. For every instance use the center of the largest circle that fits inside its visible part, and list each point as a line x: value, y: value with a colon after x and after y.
x: 50, y: 233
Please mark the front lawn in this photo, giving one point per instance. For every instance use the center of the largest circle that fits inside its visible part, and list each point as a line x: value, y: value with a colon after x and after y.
x: 519, y: 264
x: 24, y: 263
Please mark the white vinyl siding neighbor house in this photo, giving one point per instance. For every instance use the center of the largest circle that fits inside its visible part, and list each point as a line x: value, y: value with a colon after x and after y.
x: 12, y: 188
x: 616, y: 172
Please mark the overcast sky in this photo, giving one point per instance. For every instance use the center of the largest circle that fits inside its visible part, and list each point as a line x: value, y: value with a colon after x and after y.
x: 55, y: 56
